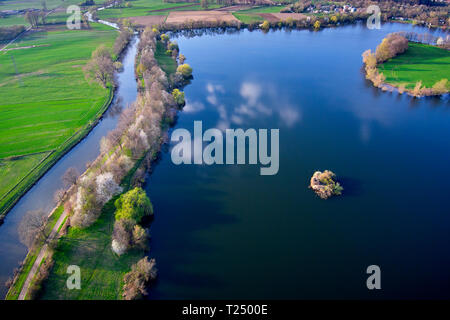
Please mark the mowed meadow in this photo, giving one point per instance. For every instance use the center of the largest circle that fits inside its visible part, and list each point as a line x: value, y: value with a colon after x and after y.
x: 420, y: 62
x: 46, y: 103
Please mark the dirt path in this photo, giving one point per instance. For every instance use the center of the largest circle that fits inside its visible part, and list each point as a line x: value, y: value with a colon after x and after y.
x: 40, y: 257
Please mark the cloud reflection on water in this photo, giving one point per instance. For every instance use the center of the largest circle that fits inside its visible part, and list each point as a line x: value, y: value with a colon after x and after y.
x: 257, y: 101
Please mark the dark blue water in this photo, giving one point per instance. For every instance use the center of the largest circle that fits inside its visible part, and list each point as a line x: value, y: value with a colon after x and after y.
x: 227, y: 232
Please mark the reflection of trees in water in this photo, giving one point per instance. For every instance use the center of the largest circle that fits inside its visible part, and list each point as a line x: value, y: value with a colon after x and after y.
x: 115, y: 109
x: 191, y: 33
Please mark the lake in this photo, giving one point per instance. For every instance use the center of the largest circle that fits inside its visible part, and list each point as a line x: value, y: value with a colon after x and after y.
x: 225, y: 231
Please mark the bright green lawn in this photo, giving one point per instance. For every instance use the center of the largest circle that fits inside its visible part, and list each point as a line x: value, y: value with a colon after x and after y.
x: 49, y: 99
x: 102, y: 270
x: 13, y: 20
x: 264, y: 9
x: 420, y: 62
x: 139, y: 8
x: 9, y: 169
x: 37, y: 4
x: 167, y: 63
x: 248, y: 18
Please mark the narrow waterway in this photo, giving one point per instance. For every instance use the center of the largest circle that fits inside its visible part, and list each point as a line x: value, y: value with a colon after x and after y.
x: 40, y: 196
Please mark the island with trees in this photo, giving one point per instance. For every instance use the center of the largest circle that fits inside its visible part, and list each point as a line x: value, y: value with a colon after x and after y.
x: 324, y: 184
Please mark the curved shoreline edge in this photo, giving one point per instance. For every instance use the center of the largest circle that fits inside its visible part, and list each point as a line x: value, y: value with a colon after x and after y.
x: 393, y: 46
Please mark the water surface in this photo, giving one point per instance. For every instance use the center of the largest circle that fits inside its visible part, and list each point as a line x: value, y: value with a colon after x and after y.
x: 225, y: 232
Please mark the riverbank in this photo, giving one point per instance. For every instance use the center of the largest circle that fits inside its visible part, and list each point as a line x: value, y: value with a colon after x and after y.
x: 88, y: 244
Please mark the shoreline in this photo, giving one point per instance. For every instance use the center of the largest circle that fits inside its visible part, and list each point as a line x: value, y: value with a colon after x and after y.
x: 133, y: 177
x: 373, y: 62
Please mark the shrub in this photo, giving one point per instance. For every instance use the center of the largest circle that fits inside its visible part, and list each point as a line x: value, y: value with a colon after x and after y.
x: 440, y: 87
x: 106, y: 187
x: 133, y: 205
x: 136, y: 281
x: 391, y: 46
x: 185, y: 70
x: 122, y: 235
x: 178, y: 97
x: 9, y: 33
x: 265, y: 25
x: 417, y: 89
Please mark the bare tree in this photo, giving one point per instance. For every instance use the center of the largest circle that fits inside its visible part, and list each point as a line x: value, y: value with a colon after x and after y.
x: 70, y: 177
x: 101, y: 67
x: 33, y: 18
x: 59, y: 195
x: 32, y: 227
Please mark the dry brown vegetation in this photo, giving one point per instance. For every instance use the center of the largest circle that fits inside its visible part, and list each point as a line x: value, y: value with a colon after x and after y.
x: 147, y: 21
x: 180, y: 17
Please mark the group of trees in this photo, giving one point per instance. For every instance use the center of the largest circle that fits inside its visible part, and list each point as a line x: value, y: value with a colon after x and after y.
x: 100, y: 67
x: 9, y: 33
x: 131, y: 208
x: 419, y: 12
x: 138, y: 133
x: 123, y: 39
x: 136, y: 281
x: 428, y: 38
x: 392, y: 45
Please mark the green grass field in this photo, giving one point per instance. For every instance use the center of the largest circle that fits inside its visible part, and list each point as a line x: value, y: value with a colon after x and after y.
x: 36, y: 4
x: 46, y: 102
x: 168, y: 65
x: 139, y: 8
x: 264, y: 9
x: 152, y: 7
x: 102, y: 270
x: 13, y: 20
x: 248, y: 18
x: 419, y: 63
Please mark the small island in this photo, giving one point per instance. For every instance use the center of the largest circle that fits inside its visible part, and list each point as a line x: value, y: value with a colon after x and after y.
x: 325, y: 185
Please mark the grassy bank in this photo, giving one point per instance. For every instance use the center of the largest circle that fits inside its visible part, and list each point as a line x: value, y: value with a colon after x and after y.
x: 420, y: 62
x: 14, y: 291
x: 47, y: 105
x: 167, y: 63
